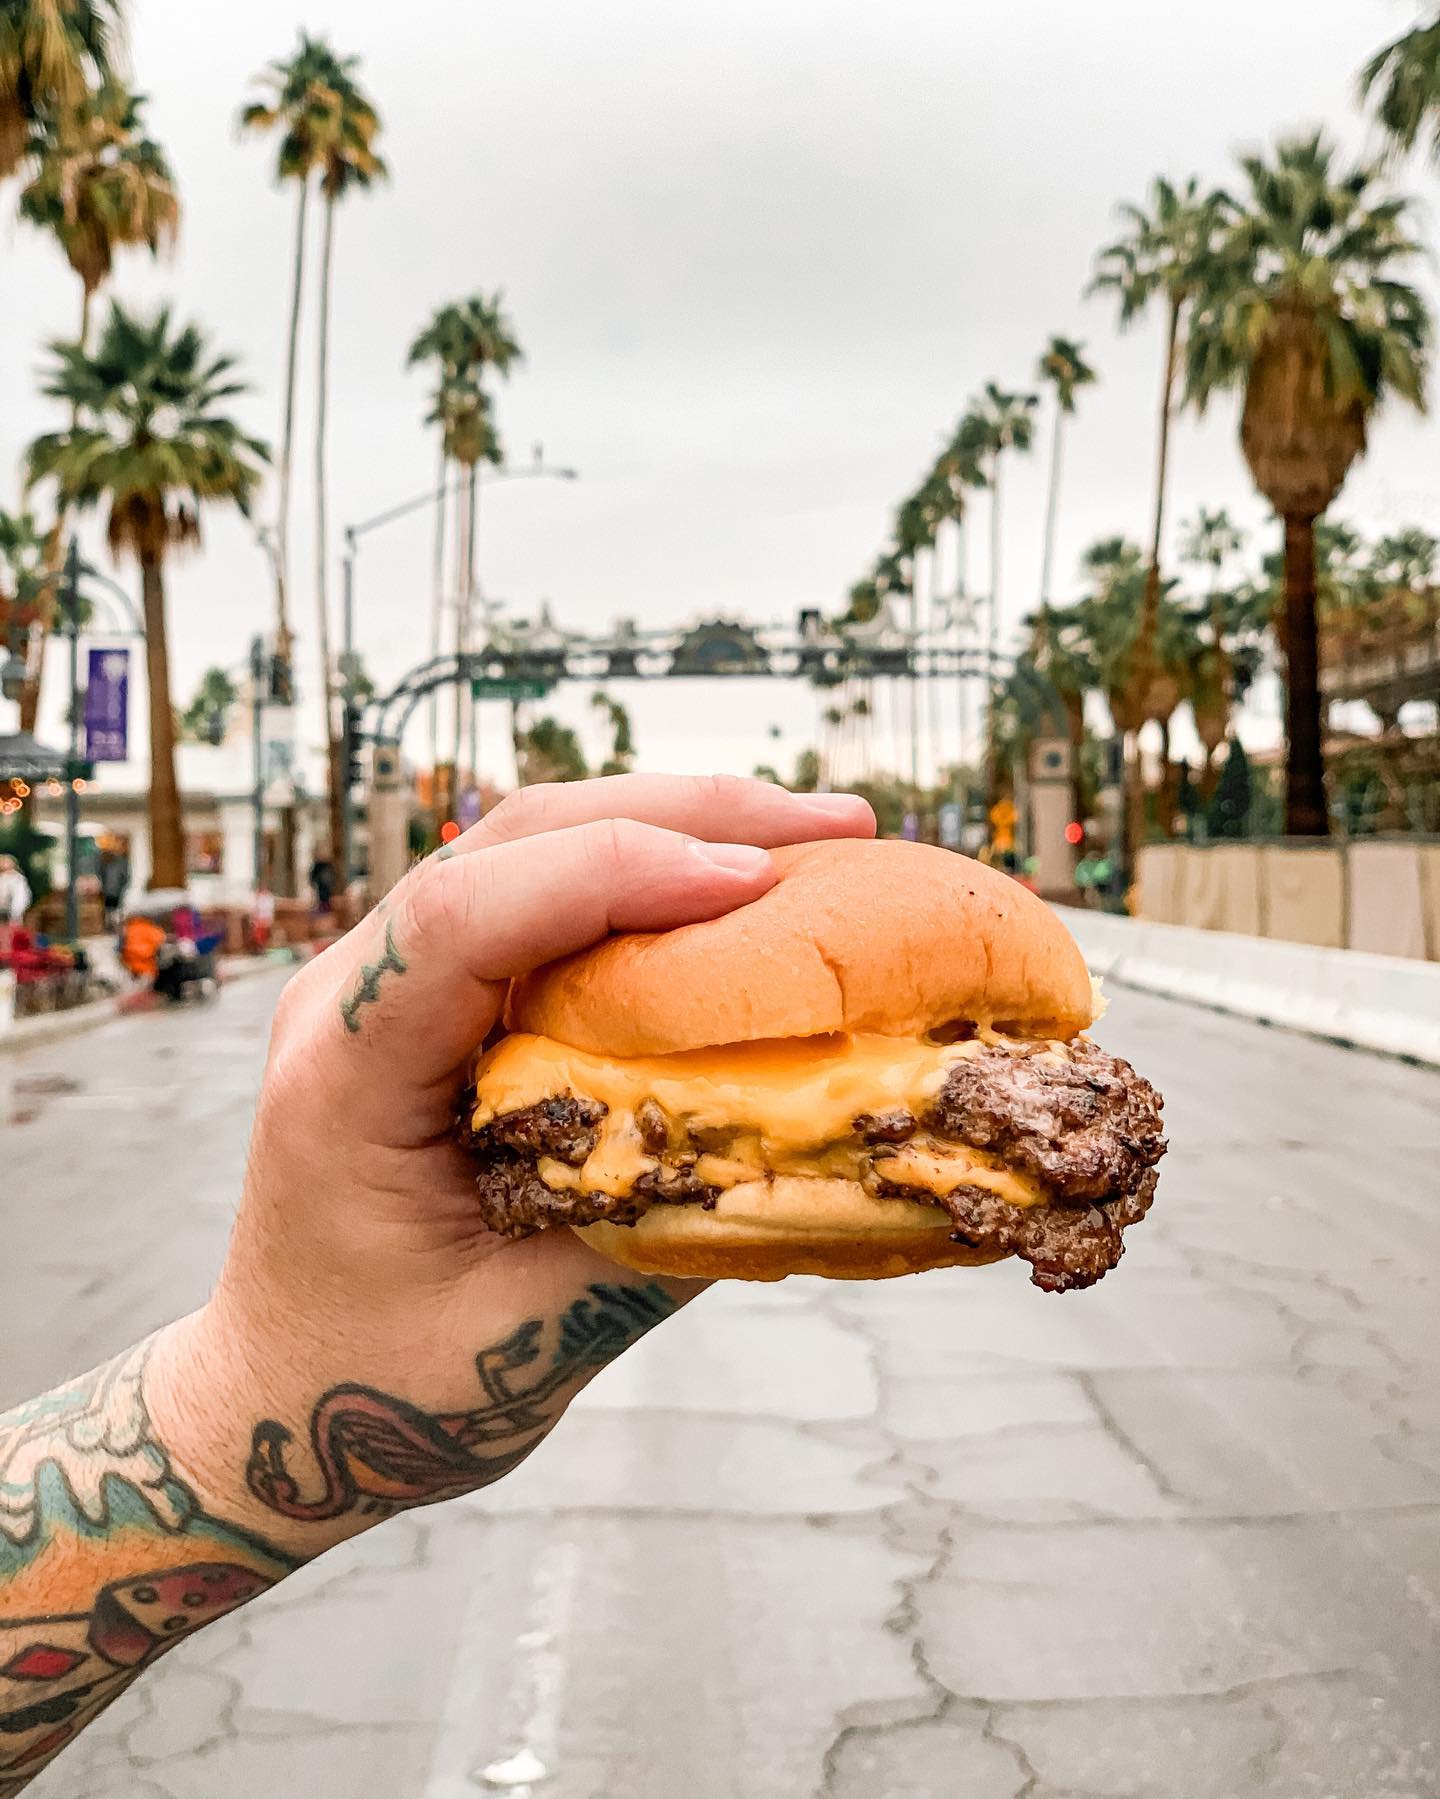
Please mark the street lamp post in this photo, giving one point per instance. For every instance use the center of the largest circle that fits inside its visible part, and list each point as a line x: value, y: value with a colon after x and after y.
x: 69, y: 607
x: 539, y: 469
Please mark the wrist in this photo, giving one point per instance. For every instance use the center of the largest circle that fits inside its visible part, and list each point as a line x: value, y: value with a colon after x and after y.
x: 210, y: 1396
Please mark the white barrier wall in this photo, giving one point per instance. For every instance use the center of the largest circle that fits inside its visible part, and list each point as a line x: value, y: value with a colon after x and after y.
x: 1380, y: 895
x: 1375, y: 1002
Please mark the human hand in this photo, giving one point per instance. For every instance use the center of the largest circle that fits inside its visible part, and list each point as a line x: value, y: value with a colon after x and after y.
x: 371, y: 1346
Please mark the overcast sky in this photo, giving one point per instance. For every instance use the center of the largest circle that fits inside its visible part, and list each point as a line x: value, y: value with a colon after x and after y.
x: 758, y: 252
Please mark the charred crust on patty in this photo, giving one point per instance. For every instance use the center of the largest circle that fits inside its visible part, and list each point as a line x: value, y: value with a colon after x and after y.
x: 1083, y: 1125
x: 564, y: 1128
x: 885, y: 1127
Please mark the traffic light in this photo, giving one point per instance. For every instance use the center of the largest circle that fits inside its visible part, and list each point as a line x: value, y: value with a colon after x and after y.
x: 449, y: 831
x: 1074, y: 834
x: 352, y: 746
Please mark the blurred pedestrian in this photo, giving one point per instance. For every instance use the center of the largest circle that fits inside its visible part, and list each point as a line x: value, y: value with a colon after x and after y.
x: 15, y: 894
x: 323, y: 881
x: 114, y: 884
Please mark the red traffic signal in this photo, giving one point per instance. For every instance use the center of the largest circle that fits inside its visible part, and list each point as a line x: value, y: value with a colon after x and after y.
x: 449, y: 831
x: 1074, y: 833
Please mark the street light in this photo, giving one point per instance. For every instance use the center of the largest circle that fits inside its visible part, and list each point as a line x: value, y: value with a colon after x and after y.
x: 538, y: 469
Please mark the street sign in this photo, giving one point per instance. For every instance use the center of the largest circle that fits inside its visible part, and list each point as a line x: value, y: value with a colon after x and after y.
x: 483, y: 689
x: 107, y: 706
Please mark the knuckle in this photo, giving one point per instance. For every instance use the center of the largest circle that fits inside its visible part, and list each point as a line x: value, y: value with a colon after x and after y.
x: 723, y: 791
x: 526, y: 809
x: 611, y: 842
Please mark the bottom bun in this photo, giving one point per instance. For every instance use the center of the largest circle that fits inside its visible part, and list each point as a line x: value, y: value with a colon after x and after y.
x: 765, y: 1230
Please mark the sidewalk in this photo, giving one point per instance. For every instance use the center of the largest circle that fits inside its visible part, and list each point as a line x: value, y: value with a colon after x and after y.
x: 1389, y: 1004
x: 47, y: 1027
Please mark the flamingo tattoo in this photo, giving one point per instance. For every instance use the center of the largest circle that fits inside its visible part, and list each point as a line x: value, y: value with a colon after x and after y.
x: 378, y: 1453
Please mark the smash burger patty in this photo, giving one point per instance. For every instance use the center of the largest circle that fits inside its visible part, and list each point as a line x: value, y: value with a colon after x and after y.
x: 878, y: 1067
x: 1078, y: 1127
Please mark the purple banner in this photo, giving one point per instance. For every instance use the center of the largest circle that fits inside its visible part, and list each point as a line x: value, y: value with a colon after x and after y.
x: 107, y: 706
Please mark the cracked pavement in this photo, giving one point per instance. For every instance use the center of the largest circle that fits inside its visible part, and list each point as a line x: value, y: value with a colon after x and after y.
x: 946, y: 1538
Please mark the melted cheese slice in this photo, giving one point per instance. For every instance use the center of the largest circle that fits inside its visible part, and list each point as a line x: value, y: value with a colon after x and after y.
x: 796, y: 1095
x: 789, y: 1107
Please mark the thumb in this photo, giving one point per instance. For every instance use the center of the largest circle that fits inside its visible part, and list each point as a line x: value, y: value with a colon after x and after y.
x: 431, y: 980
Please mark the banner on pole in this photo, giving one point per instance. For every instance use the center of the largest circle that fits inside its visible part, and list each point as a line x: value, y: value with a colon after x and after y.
x: 107, y: 706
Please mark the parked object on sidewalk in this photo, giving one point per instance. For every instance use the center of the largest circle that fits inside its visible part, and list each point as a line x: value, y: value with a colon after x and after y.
x: 184, y: 970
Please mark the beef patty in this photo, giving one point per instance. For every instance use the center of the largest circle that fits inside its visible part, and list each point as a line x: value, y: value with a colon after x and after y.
x: 1083, y: 1126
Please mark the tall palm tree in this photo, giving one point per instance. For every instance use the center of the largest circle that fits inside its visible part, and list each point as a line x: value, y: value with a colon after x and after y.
x: 1209, y: 541
x: 466, y: 339
x: 1165, y: 254
x: 152, y: 442
x: 51, y: 53
x: 1403, y: 81
x: 1312, y: 320
x: 1063, y: 367
x: 348, y: 161
x: 303, y: 97
x: 98, y: 183
x: 1003, y: 422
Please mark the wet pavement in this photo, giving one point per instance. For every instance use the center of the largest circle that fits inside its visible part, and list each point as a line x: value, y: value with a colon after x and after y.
x: 947, y: 1538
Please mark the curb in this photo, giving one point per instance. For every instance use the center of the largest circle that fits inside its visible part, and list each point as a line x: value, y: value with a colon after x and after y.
x: 51, y: 1027
x: 1388, y: 1004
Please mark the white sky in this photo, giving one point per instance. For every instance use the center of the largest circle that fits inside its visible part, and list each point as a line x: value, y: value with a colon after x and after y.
x: 759, y: 252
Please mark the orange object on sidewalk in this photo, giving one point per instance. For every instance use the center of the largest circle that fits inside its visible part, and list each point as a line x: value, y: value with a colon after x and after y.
x: 139, y: 943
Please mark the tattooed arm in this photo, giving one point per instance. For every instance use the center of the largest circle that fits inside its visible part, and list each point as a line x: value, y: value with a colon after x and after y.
x: 370, y: 1347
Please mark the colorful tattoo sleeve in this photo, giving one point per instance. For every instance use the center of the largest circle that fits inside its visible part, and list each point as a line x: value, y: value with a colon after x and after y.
x: 107, y: 1556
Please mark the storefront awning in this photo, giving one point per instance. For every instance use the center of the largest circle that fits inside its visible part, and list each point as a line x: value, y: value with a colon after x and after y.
x: 23, y: 757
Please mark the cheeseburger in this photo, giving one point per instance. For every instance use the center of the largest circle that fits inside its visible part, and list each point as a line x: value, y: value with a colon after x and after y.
x: 878, y: 1067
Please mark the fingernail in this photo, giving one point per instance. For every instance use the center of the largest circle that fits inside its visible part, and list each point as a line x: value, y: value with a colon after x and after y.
x: 739, y: 858
x: 834, y: 802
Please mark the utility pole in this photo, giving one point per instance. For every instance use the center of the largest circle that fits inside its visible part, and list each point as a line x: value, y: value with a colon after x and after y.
x: 347, y: 732
x: 258, y: 676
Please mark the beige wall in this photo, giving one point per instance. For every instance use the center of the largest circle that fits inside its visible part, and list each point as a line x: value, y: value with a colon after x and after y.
x: 1376, y: 895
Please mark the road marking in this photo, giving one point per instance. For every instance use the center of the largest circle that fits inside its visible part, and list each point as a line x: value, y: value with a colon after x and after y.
x: 530, y: 1715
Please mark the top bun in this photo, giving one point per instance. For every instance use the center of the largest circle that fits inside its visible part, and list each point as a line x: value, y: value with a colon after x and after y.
x: 896, y: 938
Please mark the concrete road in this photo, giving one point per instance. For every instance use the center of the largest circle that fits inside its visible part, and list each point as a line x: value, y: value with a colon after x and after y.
x: 949, y: 1538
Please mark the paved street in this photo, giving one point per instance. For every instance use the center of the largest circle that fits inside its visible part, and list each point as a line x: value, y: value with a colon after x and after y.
x: 947, y: 1538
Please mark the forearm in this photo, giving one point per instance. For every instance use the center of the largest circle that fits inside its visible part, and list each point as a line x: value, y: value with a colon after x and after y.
x: 191, y: 1474
x: 108, y: 1554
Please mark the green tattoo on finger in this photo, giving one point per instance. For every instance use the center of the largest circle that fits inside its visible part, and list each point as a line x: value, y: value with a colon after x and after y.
x: 367, y: 983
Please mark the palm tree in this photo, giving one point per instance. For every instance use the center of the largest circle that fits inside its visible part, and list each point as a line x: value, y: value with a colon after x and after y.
x: 1002, y: 422
x: 466, y: 339
x: 622, y: 735
x: 1403, y: 80
x: 1143, y: 682
x: 549, y: 751
x: 1165, y: 253
x: 51, y: 53
x: 1313, y: 322
x: 100, y: 183
x: 1063, y: 655
x: 1064, y: 367
x: 348, y: 160
x: 302, y: 103
x: 152, y: 442
x: 1209, y: 541
x: 27, y: 582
